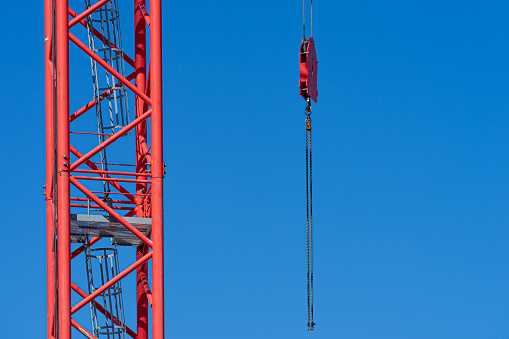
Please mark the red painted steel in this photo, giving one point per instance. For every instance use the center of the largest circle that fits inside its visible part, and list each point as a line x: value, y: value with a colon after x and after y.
x: 107, y: 67
x: 97, y: 206
x: 102, y: 38
x: 101, y: 309
x: 308, y: 70
x: 91, y: 104
x: 86, y: 133
x: 82, y: 248
x: 111, y: 139
x: 83, y: 331
x: 110, y: 179
x: 135, y: 211
x: 102, y: 192
x: 157, y: 167
x: 111, y: 172
x: 113, y: 164
x: 112, y: 282
x: 145, y: 13
x: 62, y: 163
x: 141, y: 298
x: 112, y: 213
x: 86, y: 13
x: 148, y: 194
x: 50, y: 203
x: 146, y: 287
x: 112, y: 201
x: 91, y: 165
x: 140, y: 65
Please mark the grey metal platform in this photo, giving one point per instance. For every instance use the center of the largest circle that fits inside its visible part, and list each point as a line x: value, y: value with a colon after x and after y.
x: 85, y: 225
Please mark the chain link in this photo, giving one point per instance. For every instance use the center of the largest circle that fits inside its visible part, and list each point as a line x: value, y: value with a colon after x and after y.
x: 308, y: 123
x: 309, y: 215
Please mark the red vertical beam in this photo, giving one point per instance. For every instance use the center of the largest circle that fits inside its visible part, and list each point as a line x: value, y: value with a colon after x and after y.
x: 62, y: 163
x: 50, y: 254
x: 157, y: 168
x: 140, y: 64
x: 141, y: 296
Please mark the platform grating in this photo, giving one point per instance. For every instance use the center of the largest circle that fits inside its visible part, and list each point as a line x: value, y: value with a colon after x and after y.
x: 85, y: 225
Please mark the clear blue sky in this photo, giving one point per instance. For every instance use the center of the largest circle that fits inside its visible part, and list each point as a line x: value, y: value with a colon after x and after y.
x: 411, y: 166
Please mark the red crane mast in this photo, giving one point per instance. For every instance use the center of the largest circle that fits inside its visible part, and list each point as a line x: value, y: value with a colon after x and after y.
x: 135, y: 215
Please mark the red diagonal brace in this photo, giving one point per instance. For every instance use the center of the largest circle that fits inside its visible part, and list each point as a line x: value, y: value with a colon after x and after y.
x: 133, y: 211
x: 101, y: 309
x: 102, y: 96
x: 145, y: 14
x: 110, y: 69
x: 145, y: 149
x: 112, y: 282
x: 111, y: 212
x: 86, y: 13
x: 102, y: 38
x: 82, y: 248
x: 82, y: 330
x: 146, y: 287
x: 113, y: 183
x: 110, y: 140
x: 147, y: 86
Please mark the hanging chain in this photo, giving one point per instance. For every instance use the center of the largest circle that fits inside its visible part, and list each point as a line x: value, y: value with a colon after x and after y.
x: 309, y: 172
x: 309, y: 213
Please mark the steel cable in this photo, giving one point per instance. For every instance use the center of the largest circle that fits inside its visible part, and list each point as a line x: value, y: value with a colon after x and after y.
x: 304, y: 18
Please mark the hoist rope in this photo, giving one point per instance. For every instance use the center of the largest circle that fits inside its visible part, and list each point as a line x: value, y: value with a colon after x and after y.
x: 311, y: 18
x: 304, y: 18
x: 309, y: 215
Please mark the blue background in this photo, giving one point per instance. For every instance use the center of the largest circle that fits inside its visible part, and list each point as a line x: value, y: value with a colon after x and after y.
x: 410, y: 169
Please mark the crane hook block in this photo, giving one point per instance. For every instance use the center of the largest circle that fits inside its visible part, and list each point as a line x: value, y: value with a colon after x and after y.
x: 308, y: 70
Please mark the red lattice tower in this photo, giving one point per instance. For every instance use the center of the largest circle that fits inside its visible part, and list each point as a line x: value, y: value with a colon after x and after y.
x: 138, y: 193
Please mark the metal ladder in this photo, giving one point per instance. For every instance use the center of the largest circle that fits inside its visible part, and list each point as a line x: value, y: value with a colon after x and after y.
x: 102, y: 266
x: 110, y: 95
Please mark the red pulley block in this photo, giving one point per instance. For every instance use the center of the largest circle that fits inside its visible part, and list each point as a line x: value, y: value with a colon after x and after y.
x: 308, y: 70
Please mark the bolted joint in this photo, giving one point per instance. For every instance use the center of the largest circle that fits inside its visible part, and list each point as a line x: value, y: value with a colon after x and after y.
x: 64, y: 156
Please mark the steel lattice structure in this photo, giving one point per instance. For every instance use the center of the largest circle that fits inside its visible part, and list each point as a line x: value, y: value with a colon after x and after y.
x: 135, y: 215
